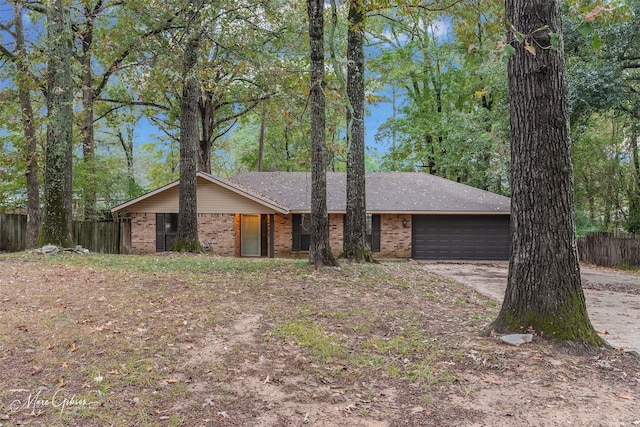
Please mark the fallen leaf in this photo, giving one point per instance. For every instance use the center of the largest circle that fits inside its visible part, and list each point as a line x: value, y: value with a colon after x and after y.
x: 624, y: 395
x: 171, y: 381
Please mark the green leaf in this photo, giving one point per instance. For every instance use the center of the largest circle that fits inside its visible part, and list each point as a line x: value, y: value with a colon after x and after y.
x: 517, y: 36
x: 507, y: 53
x: 596, y: 42
x: 585, y: 28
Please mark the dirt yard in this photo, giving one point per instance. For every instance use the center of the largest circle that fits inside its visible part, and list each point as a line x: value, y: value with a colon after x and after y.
x: 197, y: 341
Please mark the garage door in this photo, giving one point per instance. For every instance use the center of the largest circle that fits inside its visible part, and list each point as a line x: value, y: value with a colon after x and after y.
x: 460, y: 237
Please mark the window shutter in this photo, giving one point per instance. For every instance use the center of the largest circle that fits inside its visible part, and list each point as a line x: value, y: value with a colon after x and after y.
x: 159, y: 232
x: 375, y: 233
x: 296, y: 220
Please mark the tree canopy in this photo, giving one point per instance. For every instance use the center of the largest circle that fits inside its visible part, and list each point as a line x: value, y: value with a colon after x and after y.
x: 434, y: 71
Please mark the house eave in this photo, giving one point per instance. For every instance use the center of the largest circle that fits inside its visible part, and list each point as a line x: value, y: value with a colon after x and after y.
x: 413, y: 212
x: 267, y: 203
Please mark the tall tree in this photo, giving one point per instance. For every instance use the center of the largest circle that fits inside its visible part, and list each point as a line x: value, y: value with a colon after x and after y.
x: 319, y: 249
x: 187, y: 234
x: 31, y: 144
x: 56, y: 223
x: 544, y: 291
x: 355, y: 236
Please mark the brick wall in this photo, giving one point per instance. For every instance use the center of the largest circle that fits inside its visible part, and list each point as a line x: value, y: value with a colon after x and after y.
x: 221, y: 233
x: 218, y: 231
x: 215, y: 230
x: 395, y: 237
x: 143, y: 233
x: 283, y: 232
x: 336, y: 233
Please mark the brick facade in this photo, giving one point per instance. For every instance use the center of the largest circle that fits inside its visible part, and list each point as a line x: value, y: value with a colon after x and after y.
x: 143, y: 233
x: 218, y: 232
x: 283, y: 232
x: 221, y: 233
x: 395, y: 236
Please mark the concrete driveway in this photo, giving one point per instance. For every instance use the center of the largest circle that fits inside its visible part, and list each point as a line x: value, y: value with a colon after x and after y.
x: 613, y: 297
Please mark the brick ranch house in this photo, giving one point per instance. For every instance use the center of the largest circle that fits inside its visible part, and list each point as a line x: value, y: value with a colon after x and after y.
x: 409, y: 215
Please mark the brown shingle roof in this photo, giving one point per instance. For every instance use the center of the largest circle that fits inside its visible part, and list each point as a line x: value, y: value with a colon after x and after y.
x: 386, y: 192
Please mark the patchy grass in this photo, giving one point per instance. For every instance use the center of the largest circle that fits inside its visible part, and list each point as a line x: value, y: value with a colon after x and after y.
x: 187, y: 340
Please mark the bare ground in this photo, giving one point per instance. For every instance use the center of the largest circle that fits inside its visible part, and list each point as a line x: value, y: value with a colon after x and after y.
x: 612, y: 296
x: 196, y: 341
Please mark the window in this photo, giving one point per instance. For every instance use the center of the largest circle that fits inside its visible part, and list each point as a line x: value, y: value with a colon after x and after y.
x: 301, y: 232
x: 373, y: 231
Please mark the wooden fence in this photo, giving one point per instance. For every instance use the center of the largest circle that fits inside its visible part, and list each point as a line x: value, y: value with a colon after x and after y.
x: 609, y: 249
x: 13, y: 232
x: 109, y: 237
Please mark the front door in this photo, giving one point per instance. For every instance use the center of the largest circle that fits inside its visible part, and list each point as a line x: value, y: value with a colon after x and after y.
x: 250, y: 235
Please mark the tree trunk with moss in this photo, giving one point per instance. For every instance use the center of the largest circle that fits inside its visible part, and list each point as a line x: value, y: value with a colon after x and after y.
x: 544, y: 291
x: 56, y: 221
x: 319, y: 249
x: 187, y: 234
x: 355, y: 236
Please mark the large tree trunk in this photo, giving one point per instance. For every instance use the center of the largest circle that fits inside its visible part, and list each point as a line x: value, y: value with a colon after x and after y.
x: 56, y: 224
x: 319, y: 250
x: 355, y: 241
x: 31, y: 143
x: 633, y: 224
x: 86, y: 129
x: 544, y: 293
x: 187, y: 235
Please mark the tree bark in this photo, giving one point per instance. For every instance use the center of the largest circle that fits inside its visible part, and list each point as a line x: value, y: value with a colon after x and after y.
x: 127, y: 148
x: 633, y: 223
x: 187, y: 235
x: 29, y: 129
x: 263, y: 125
x: 319, y: 249
x: 355, y: 241
x: 86, y: 129
x: 56, y: 224
x: 207, y: 112
x: 544, y: 292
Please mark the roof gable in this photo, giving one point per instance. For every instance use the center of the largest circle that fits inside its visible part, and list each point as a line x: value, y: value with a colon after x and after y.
x: 214, y: 195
